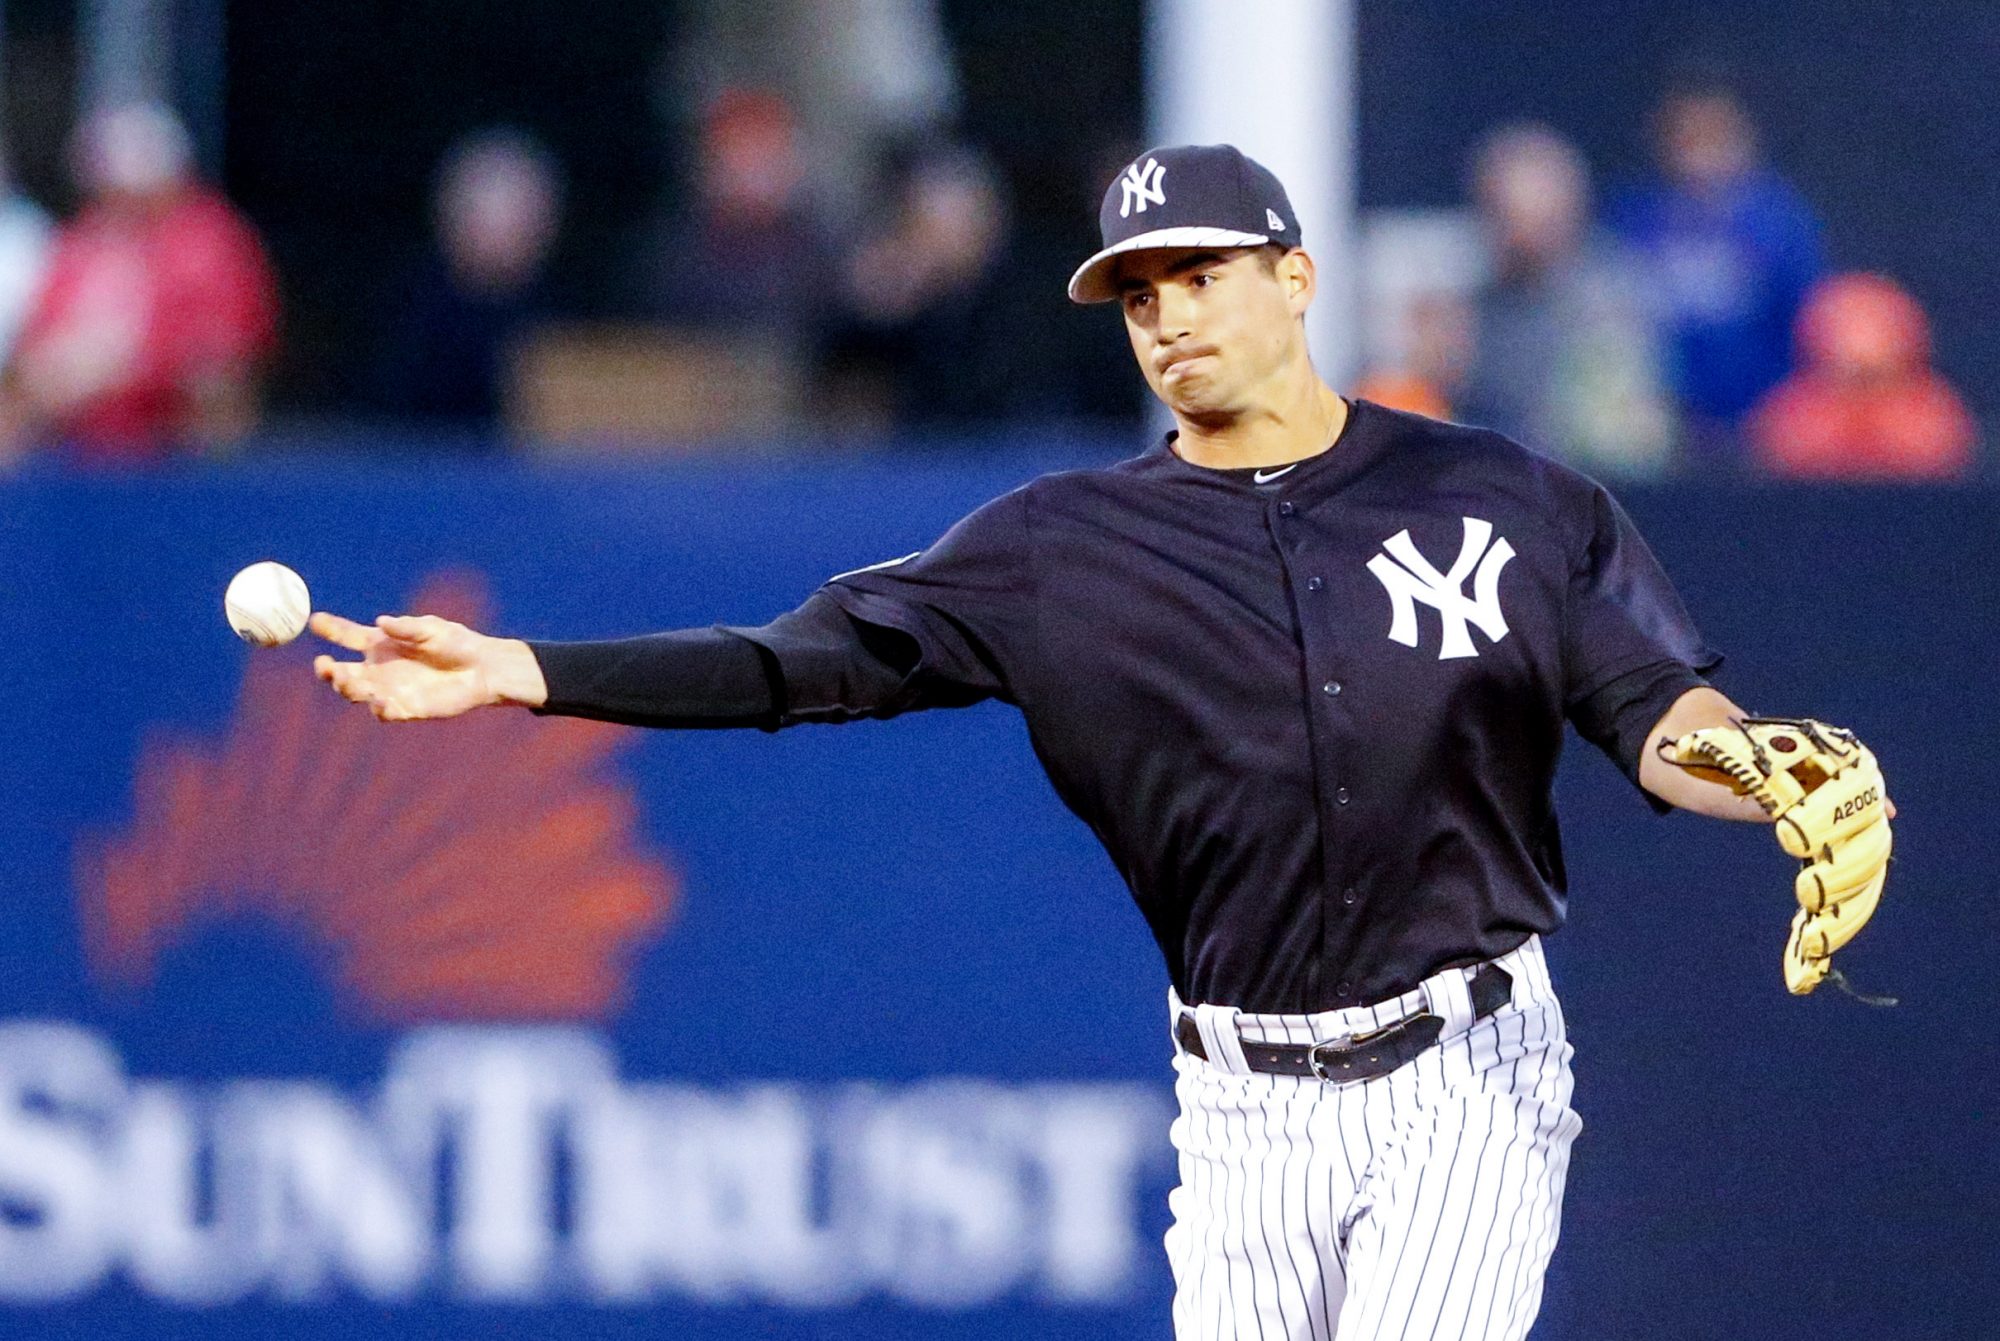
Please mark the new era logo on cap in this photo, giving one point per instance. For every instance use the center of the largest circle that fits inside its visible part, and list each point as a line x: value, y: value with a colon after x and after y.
x: 1218, y: 198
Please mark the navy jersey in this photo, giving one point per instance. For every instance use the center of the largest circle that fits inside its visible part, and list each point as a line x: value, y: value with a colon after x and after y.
x: 1312, y: 712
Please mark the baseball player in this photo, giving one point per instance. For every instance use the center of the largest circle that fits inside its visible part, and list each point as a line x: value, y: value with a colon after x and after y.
x: 1303, y: 666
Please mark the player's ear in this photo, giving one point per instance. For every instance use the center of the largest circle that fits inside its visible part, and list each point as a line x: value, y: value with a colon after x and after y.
x: 1299, y: 278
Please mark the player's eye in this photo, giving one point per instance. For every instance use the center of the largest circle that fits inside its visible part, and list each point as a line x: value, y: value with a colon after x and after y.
x: 1203, y: 279
x: 1137, y: 300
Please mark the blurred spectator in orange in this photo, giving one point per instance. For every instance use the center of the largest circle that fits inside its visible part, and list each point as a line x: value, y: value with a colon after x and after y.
x: 1564, y: 350
x: 158, y: 310
x: 1732, y: 250
x: 1438, y: 357
x: 496, y: 212
x: 1403, y: 391
x: 25, y: 238
x: 751, y: 258
x: 1866, y: 404
x: 927, y: 317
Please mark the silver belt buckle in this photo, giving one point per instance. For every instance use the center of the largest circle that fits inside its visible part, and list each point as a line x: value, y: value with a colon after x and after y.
x: 1348, y: 1043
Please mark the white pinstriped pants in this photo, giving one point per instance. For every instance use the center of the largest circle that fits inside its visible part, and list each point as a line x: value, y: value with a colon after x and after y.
x: 1420, y: 1204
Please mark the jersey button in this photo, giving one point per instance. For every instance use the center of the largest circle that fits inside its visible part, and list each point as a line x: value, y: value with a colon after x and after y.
x: 1330, y: 688
x: 1340, y: 795
x: 1347, y: 895
x: 1314, y: 583
x: 1285, y: 509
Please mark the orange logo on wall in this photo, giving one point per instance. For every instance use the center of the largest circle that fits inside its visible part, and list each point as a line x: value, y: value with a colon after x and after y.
x: 482, y: 868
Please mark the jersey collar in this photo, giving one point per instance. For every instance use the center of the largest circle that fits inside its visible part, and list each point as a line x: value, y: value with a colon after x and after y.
x: 1352, y: 452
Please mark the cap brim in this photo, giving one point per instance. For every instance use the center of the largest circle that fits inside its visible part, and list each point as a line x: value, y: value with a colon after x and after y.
x: 1092, y: 281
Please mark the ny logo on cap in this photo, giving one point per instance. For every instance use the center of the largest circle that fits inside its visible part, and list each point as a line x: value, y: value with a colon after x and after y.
x: 1142, y: 186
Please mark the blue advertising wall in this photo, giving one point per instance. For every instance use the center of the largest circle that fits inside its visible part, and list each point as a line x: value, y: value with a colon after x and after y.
x: 312, y: 1027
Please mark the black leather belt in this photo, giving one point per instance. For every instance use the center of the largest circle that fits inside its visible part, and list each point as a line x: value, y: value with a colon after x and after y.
x: 1364, y: 1056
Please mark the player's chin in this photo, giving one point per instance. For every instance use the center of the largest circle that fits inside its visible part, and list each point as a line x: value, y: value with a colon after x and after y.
x: 1193, y: 396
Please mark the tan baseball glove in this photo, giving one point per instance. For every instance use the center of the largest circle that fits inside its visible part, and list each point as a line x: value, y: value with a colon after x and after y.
x: 1824, y: 791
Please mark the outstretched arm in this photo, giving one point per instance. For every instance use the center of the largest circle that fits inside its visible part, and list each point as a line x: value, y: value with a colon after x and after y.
x: 417, y: 667
x: 814, y: 663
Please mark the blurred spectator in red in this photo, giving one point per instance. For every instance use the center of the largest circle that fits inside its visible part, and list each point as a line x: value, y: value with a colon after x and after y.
x: 926, y: 317
x: 25, y: 238
x: 1437, y: 359
x: 1732, y: 250
x: 158, y: 310
x: 1866, y: 404
x: 1565, y: 357
x: 751, y: 257
x: 496, y: 211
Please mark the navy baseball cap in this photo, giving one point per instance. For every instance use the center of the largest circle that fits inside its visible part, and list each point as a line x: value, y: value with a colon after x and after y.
x: 1185, y: 195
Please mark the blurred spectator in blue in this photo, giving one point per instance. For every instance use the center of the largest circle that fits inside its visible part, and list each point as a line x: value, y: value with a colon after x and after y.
x: 750, y: 258
x: 446, y: 354
x: 1865, y: 403
x: 1565, y: 356
x: 158, y: 311
x: 1732, y: 250
x: 25, y: 238
x: 927, y: 317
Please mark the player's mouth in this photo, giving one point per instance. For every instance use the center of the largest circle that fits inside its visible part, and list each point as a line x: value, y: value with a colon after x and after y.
x: 1180, y: 358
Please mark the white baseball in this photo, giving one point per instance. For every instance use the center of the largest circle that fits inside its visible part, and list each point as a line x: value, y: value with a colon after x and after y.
x: 267, y: 604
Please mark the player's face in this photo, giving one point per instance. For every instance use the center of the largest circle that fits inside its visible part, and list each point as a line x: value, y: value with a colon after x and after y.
x: 1213, y: 330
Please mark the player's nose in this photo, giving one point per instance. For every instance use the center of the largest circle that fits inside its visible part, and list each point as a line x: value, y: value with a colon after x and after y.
x: 1176, y: 314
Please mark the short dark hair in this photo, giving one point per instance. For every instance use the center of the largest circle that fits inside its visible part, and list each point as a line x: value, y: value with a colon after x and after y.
x: 1270, y: 254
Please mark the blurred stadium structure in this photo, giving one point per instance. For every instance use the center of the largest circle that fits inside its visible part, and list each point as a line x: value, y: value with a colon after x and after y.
x: 781, y: 1062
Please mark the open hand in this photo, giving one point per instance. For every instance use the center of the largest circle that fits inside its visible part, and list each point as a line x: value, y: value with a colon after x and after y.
x: 414, y: 667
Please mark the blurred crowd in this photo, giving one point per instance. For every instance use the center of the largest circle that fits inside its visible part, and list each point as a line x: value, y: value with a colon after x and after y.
x: 1690, y: 322
x: 142, y: 327
x: 1686, y: 323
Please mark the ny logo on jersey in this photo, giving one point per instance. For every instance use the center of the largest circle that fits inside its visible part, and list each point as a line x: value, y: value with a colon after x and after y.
x: 1142, y: 186
x: 1409, y: 577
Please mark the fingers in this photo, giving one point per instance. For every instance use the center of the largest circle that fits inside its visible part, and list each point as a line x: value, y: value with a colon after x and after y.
x: 342, y: 632
x: 348, y: 678
x: 354, y: 681
x: 413, y: 629
x: 367, y: 684
x: 416, y: 629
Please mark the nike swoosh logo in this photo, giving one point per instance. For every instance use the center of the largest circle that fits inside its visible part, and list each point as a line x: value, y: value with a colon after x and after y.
x: 1265, y: 477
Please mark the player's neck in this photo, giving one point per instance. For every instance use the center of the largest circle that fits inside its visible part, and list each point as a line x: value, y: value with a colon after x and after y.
x: 1302, y: 421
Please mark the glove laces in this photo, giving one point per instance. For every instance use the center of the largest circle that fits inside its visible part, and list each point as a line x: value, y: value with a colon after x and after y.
x: 1839, y: 979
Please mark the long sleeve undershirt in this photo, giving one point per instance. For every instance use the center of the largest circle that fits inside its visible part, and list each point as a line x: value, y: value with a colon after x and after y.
x: 718, y: 677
